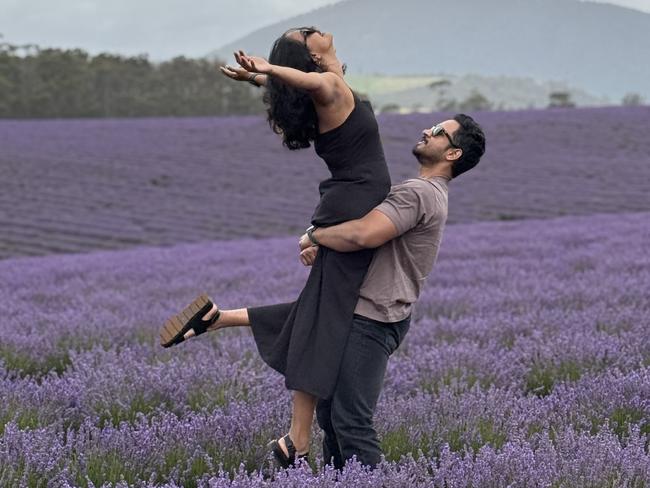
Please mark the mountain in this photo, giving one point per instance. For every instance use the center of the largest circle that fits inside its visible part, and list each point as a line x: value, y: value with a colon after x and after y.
x: 601, y: 48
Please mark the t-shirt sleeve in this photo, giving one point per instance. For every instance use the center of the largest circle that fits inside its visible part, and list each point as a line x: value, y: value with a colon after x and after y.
x: 403, y: 206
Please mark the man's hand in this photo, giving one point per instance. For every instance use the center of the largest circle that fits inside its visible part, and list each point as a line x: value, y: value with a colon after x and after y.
x: 308, y: 255
x: 305, y: 242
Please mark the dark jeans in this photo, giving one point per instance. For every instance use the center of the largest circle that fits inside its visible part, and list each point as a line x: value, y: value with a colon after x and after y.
x: 346, y: 417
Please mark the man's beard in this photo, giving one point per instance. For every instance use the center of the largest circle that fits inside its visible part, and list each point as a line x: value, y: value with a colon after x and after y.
x: 426, y: 159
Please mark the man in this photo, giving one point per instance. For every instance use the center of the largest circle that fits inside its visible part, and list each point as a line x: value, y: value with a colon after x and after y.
x: 407, y: 229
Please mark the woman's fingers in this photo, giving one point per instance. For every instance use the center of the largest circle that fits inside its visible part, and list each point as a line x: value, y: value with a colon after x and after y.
x: 308, y: 256
x: 239, y: 58
x: 245, y: 63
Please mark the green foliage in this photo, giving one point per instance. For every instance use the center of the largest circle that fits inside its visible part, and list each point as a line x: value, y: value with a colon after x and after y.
x: 24, y: 364
x: 209, y: 396
x: 622, y: 417
x: 398, y: 443
x: 389, y: 108
x: 560, y: 99
x: 40, y: 83
x: 121, y: 411
x: 632, y: 100
x: 25, y: 417
x: 475, y: 101
x: 462, y: 437
x: 541, y: 378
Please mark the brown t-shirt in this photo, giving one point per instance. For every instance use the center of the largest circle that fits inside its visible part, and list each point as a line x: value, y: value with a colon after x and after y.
x: 418, y: 208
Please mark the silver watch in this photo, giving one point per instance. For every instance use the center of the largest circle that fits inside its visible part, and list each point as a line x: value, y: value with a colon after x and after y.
x: 310, y: 233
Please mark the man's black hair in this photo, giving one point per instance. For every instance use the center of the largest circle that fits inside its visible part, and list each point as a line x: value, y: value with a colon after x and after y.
x: 470, y: 138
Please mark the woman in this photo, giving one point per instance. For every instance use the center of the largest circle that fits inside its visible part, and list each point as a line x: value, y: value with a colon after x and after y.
x: 308, y: 101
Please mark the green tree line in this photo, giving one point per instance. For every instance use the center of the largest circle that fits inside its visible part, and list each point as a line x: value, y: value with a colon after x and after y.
x: 40, y: 83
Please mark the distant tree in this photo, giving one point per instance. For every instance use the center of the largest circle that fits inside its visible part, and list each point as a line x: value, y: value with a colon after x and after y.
x: 443, y: 102
x: 440, y: 84
x: 560, y: 99
x: 475, y: 101
x: 632, y: 100
x: 37, y: 82
x: 389, y: 108
x: 447, y: 105
x: 417, y: 107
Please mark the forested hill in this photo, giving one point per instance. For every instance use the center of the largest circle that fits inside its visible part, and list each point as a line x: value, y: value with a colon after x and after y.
x: 39, y: 83
x: 600, y: 48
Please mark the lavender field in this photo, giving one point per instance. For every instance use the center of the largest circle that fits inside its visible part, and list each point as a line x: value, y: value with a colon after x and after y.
x: 70, y: 186
x: 527, y: 363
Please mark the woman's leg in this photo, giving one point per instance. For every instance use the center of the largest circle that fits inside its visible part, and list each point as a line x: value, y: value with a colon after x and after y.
x: 228, y: 318
x: 304, y: 404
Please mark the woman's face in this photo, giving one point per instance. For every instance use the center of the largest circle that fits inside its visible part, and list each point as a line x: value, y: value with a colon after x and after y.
x: 316, y: 41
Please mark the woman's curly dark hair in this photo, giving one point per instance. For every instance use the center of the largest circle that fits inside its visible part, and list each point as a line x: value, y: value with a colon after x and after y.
x: 291, y: 112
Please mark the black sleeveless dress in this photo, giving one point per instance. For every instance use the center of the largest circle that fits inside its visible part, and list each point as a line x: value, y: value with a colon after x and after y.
x: 304, y: 340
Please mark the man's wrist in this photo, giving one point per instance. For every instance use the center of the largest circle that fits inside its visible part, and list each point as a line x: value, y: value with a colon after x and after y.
x: 310, y: 234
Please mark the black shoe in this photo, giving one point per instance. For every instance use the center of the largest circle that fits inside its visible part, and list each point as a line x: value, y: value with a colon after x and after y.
x: 173, y: 331
x: 281, y: 459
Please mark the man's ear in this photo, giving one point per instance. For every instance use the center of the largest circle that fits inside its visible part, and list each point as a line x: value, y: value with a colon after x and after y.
x: 454, y: 154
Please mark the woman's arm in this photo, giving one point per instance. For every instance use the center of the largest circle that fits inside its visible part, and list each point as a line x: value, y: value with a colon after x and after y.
x: 240, y: 74
x: 321, y: 86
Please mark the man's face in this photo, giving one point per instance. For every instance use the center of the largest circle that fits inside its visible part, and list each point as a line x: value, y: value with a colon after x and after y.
x: 434, y: 147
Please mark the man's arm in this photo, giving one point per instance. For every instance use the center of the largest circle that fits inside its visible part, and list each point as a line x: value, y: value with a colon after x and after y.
x: 372, y: 230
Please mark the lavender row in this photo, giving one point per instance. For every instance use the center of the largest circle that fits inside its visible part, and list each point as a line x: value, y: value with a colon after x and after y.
x: 483, y: 437
x: 548, y: 275
x: 79, y: 185
x: 528, y: 362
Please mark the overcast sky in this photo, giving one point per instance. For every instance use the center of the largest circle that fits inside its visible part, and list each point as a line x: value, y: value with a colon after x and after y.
x: 161, y: 28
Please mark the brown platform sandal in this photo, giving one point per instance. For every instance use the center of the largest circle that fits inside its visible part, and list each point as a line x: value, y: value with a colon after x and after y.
x: 190, y: 318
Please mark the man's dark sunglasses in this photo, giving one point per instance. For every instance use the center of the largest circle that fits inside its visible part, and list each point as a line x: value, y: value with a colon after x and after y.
x: 438, y: 129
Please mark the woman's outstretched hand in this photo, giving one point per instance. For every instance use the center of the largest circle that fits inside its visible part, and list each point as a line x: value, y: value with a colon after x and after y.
x: 235, y: 73
x: 252, y: 64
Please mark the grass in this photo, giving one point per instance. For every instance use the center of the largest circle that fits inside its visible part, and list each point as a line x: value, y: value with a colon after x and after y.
x: 542, y: 377
x: 454, y: 376
x: 209, y: 396
x: 25, y: 417
x: 398, y: 443
x: 115, y: 413
x: 487, y: 435
x: 622, y: 417
x: 24, y: 364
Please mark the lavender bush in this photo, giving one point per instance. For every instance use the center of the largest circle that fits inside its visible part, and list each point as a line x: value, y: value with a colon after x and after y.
x: 527, y: 365
x: 80, y: 185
